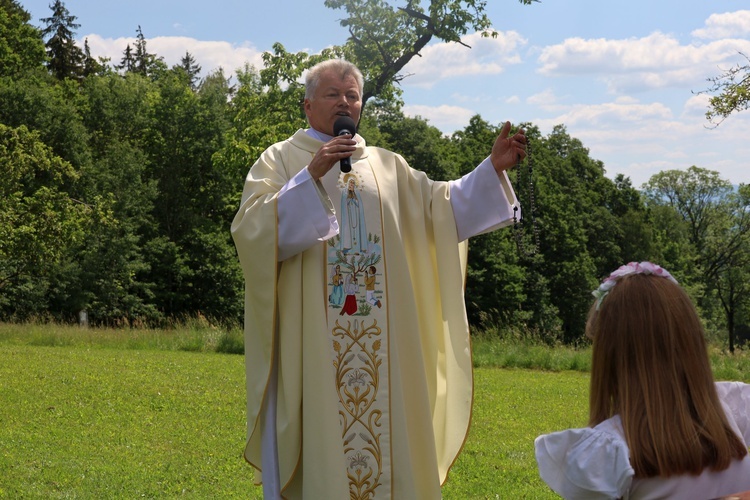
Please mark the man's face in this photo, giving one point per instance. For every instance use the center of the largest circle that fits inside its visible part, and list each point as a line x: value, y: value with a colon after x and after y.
x: 333, y: 97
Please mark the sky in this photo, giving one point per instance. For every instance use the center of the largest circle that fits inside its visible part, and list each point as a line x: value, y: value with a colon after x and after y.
x: 623, y: 77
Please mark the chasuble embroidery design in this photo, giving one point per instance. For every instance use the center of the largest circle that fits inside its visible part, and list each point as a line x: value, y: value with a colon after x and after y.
x: 357, y: 320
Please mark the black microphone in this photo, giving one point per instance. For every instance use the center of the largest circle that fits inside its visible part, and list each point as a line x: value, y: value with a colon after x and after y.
x: 344, y: 125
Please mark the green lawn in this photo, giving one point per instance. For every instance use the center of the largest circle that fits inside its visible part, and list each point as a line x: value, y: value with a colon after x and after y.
x: 149, y: 414
x: 511, y: 408
x: 106, y: 423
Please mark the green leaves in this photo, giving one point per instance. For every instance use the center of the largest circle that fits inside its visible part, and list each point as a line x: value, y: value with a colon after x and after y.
x: 732, y: 92
x: 384, y: 36
x: 21, y: 45
x: 712, y: 219
x: 65, y: 57
x: 38, y: 219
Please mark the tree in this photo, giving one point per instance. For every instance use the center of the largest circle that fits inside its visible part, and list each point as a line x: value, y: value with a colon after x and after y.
x: 422, y: 145
x: 144, y: 63
x: 729, y: 245
x: 51, y: 108
x: 383, y: 39
x: 21, y: 45
x: 127, y: 62
x: 732, y: 287
x: 576, y: 229
x: 733, y: 87
x: 157, y: 163
x: 695, y: 194
x: 495, y: 284
x: 109, y: 273
x: 717, y: 222
x: 38, y: 219
x: 90, y: 65
x: 65, y: 57
x: 638, y: 242
x: 191, y: 68
x: 260, y: 115
x: 194, y: 258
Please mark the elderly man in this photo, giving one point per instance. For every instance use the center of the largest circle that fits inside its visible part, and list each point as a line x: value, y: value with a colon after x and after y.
x: 375, y: 403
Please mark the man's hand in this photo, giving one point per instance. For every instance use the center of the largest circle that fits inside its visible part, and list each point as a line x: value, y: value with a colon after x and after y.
x: 508, y: 151
x: 329, y: 154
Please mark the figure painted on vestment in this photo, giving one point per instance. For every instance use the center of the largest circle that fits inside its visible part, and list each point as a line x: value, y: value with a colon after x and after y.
x: 353, y: 229
x: 370, y: 287
x: 336, y: 297
x: 351, y: 287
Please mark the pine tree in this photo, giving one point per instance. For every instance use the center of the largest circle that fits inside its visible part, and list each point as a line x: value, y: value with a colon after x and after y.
x: 145, y: 63
x: 90, y: 65
x: 192, y: 69
x: 65, y: 57
x: 127, y: 62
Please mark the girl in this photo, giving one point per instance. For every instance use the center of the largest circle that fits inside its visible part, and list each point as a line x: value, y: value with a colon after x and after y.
x: 659, y: 426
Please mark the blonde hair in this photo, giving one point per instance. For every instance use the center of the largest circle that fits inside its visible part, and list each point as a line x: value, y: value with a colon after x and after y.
x: 650, y: 366
x: 341, y: 67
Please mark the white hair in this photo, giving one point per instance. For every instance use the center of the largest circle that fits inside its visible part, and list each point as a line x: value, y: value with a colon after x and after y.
x: 342, y: 67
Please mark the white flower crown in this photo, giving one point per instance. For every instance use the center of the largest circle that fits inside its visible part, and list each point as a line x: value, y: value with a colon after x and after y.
x: 630, y: 268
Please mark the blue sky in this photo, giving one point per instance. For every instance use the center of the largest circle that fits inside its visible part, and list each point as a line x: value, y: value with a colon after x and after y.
x: 621, y: 76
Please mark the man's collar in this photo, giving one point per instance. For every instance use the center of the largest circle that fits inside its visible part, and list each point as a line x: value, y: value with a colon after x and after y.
x: 318, y: 135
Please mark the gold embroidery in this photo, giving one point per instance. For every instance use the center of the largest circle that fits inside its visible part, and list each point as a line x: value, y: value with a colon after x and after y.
x: 358, y: 362
x: 357, y: 320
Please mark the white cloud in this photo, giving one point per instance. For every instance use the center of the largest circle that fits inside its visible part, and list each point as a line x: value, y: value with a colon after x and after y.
x: 621, y: 114
x: 639, y: 140
x: 696, y: 105
x: 546, y: 100
x: 443, y: 117
x: 726, y: 25
x: 210, y: 55
x: 637, y: 64
x: 487, y: 56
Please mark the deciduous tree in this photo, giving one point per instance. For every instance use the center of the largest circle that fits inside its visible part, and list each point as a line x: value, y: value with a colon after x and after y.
x: 731, y: 92
x: 384, y: 38
x: 21, y: 44
x: 38, y: 219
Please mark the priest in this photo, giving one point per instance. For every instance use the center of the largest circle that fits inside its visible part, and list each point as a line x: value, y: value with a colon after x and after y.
x: 370, y: 397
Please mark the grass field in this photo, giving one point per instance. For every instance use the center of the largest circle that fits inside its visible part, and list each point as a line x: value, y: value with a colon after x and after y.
x: 152, y: 414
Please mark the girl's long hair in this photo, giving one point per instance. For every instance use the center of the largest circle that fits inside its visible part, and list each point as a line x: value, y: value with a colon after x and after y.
x: 650, y: 366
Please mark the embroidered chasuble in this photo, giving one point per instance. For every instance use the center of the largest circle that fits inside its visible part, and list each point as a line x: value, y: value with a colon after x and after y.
x: 368, y: 329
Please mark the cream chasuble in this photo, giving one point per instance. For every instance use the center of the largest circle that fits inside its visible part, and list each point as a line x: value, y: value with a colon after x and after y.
x: 368, y: 329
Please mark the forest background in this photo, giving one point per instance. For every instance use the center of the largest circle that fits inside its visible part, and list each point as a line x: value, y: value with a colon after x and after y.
x: 120, y: 180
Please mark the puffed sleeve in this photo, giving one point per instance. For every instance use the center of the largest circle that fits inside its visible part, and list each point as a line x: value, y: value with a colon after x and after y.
x: 736, y: 397
x: 584, y: 463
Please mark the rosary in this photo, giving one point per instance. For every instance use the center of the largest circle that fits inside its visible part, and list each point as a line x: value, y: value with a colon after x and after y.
x: 519, y: 225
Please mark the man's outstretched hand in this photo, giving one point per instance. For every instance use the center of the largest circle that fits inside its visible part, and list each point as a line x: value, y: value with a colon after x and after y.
x: 508, y: 151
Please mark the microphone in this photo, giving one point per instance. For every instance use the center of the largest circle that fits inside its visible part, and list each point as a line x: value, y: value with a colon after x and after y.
x: 344, y: 125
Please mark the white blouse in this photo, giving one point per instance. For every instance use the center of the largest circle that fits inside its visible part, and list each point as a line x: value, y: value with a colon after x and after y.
x: 593, y: 463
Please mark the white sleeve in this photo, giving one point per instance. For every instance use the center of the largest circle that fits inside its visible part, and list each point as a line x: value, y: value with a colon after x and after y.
x: 736, y: 397
x: 306, y: 215
x: 584, y: 464
x: 482, y: 201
